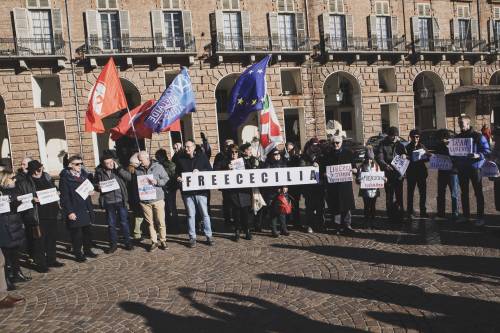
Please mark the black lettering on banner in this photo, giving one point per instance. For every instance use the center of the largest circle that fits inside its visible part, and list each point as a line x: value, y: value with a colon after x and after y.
x: 288, y: 176
x: 313, y: 175
x: 252, y: 178
x: 300, y: 175
x: 226, y: 179
x: 214, y: 180
x: 277, y: 176
x: 239, y: 178
x: 201, y: 180
x: 188, y: 181
x: 264, y: 177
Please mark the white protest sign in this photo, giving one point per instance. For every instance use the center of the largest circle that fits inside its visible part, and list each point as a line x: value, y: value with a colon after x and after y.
x: 85, y: 189
x: 109, y: 185
x: 147, y: 191
x: 212, y: 180
x: 374, y: 179
x: 400, y: 164
x: 238, y: 164
x: 418, y: 155
x: 440, y: 162
x: 26, y: 202
x: 490, y: 169
x: 47, y: 196
x: 340, y: 173
x: 460, y: 146
x: 4, y: 204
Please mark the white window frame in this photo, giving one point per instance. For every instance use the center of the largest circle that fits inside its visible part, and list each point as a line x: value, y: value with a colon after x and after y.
x: 107, y: 5
x: 110, y: 27
x: 380, y: 8
x: 338, y: 3
x: 300, y: 89
x: 181, y: 37
x: 302, y: 123
x: 38, y: 5
x: 463, y: 11
x: 286, y: 4
x: 170, y: 5
x: 49, y: 43
x: 232, y: 40
x: 231, y: 7
x: 424, y: 9
x: 41, y: 137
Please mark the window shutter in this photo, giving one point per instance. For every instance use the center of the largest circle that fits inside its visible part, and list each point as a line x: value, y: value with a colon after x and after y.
x: 94, y: 35
x: 44, y: 3
x: 491, y: 31
x: 187, y: 25
x: 57, y: 29
x: 435, y: 29
x: 474, y: 28
x: 226, y: 4
x: 32, y: 3
x: 455, y: 28
x: 22, y: 23
x: 157, y: 26
x: 415, y: 30
x: 102, y: 4
x: 394, y: 28
x: 496, y: 13
x: 282, y: 6
x: 176, y: 4
x: 332, y: 6
x: 245, y: 28
x: 165, y: 4
x: 349, y: 30
x: 124, y: 28
x: 324, y: 30
x: 272, y: 21
x: 372, y: 30
x: 112, y: 4
x: 340, y: 6
x: 217, y: 28
x: 301, y: 29
x: 235, y: 4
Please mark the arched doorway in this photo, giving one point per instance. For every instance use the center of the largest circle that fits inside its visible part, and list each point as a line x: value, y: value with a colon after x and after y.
x: 429, y: 101
x: 124, y: 146
x: 343, y: 114
x: 5, y: 156
x: 495, y: 101
x: 245, y: 132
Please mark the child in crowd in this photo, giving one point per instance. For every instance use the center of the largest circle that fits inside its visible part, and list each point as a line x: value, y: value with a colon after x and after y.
x: 369, y: 195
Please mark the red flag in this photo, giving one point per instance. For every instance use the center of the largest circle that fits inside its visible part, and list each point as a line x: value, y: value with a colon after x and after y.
x: 107, y: 98
x: 137, y: 117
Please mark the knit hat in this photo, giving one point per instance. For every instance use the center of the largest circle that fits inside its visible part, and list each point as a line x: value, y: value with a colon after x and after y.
x: 414, y: 132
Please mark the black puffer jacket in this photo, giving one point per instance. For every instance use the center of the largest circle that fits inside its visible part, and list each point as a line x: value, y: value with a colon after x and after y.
x: 25, y: 185
x: 51, y: 210
x: 11, y: 226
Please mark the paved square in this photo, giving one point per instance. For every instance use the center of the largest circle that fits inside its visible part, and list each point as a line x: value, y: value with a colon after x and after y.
x: 426, y: 276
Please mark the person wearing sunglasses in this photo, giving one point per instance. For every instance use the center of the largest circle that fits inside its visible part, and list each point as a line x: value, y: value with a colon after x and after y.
x: 78, y: 212
x: 416, y: 174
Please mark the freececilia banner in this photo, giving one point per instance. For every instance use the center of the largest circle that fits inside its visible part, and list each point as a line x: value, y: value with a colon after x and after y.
x: 211, y: 180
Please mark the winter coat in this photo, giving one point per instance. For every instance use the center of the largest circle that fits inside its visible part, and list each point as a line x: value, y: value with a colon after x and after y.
x: 51, y: 210
x: 25, y: 185
x: 187, y: 164
x: 133, y: 192
x: 442, y: 149
x: 122, y: 177
x: 340, y: 196
x: 271, y: 192
x: 385, y: 153
x: 169, y: 167
x: 479, y: 146
x: 239, y: 197
x: 12, y: 233
x: 311, y: 190
x: 159, y: 174
x: 416, y: 169
x: 72, y: 202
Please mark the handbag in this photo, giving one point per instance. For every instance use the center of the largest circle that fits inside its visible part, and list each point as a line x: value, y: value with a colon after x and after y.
x: 37, y: 232
x: 284, y: 206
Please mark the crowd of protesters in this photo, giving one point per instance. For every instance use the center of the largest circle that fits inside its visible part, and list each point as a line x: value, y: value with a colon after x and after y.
x: 33, y: 232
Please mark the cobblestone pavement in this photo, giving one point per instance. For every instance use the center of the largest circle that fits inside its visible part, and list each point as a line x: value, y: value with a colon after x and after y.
x: 424, y: 276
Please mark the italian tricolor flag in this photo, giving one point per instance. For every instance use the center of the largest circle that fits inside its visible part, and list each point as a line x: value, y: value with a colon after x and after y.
x: 270, y: 129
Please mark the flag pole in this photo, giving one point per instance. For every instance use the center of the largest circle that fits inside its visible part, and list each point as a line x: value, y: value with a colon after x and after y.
x: 133, y: 129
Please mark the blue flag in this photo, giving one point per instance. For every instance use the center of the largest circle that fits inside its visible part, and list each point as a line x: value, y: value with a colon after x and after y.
x: 248, y: 94
x: 176, y: 101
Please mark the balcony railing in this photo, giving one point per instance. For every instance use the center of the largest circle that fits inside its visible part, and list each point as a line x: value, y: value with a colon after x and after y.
x: 31, y: 47
x: 138, y: 45
x: 365, y: 44
x: 450, y: 45
x: 230, y: 44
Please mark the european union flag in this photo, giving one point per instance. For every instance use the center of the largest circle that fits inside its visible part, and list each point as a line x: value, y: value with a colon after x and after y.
x: 249, y: 93
x: 176, y: 101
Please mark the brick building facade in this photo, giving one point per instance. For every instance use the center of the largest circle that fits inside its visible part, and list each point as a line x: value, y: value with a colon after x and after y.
x: 366, y: 64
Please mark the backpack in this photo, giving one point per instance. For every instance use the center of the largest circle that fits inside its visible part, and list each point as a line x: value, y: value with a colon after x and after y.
x: 283, y: 204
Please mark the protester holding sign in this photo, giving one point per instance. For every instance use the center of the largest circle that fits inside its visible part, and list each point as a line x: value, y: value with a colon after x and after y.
x: 47, y: 215
x: 388, y: 148
x: 339, y: 195
x: 11, y: 231
x: 416, y: 174
x: 240, y: 199
x: 77, y: 211
x: 111, y: 181
x: 192, y: 161
x: 469, y: 168
x: 153, y: 208
x: 446, y: 178
x: 220, y: 162
x: 369, y: 195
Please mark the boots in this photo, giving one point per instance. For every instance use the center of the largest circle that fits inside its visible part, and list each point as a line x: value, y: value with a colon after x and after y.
x: 248, y: 235
x: 237, y: 235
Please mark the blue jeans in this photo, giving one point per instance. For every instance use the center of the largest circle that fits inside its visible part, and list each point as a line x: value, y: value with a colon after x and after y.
x: 114, y: 211
x: 192, y: 203
x: 447, y: 179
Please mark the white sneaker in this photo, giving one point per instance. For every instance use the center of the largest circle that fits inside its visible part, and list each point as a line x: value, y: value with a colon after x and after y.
x: 309, y: 230
x: 479, y: 223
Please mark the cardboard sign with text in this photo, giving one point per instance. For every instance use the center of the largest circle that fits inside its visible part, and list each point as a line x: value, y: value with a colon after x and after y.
x: 460, y: 146
x: 340, y: 173
x: 371, y: 180
x: 440, y: 162
x: 400, y: 164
